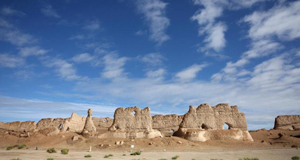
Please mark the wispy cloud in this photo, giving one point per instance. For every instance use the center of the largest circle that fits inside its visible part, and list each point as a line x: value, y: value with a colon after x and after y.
x: 32, y: 51
x: 189, y: 73
x: 92, y: 25
x: 153, y: 59
x: 84, y: 57
x: 155, y: 16
x: 11, y: 61
x: 48, y: 11
x: 63, y: 68
x: 113, y: 66
x: 16, y: 37
x: 39, y: 109
x: 7, y: 11
x: 208, y: 25
x: 268, y: 29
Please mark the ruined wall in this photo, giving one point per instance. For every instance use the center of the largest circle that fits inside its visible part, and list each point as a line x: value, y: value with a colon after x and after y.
x: 287, y: 122
x: 207, y: 117
x: 132, y: 119
x: 206, y: 123
x: 74, y: 124
x: 102, y: 124
x: 166, y: 122
x: 50, y: 123
x: 18, y: 126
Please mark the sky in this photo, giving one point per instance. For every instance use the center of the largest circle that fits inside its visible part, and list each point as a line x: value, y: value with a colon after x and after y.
x: 64, y: 56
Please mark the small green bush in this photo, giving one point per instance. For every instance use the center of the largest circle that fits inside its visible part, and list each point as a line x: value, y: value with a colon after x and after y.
x: 175, y: 157
x: 9, y: 148
x: 249, y: 159
x: 295, y: 158
x: 110, y: 155
x: 22, y: 146
x: 51, y: 150
x: 16, y: 159
x: 88, y: 156
x: 64, y: 151
x: 50, y: 159
x: 136, y: 153
x: 124, y: 154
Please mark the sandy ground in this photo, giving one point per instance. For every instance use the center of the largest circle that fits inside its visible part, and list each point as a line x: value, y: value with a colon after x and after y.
x: 262, y: 154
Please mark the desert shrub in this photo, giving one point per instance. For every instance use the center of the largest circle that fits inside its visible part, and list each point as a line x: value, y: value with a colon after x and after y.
x: 124, y: 154
x: 249, y: 159
x: 9, y: 148
x: 22, y: 146
x: 51, y: 150
x: 64, y: 151
x: 50, y: 159
x: 295, y: 158
x: 136, y: 153
x: 175, y: 157
x: 88, y: 156
x: 15, y: 159
x: 110, y: 155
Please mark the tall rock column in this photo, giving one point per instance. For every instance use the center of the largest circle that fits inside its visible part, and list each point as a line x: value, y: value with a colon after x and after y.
x: 89, y: 126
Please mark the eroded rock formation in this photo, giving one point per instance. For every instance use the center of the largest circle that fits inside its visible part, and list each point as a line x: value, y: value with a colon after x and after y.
x: 287, y: 122
x: 132, y: 122
x: 74, y: 124
x: 89, y: 126
x: 199, y: 123
x: 166, y: 124
x: 102, y: 124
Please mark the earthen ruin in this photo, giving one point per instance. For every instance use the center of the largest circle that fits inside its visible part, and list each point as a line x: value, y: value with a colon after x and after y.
x: 287, y: 122
x: 205, y: 123
x: 198, y: 124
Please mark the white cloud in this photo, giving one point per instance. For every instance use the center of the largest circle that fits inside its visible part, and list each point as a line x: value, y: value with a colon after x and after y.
x: 63, y: 69
x: 92, y: 25
x: 154, y: 59
x: 156, y: 74
x: 140, y: 33
x: 7, y: 11
x: 206, y: 18
x: 84, y: 57
x: 5, y: 24
x: 32, y: 51
x: 216, y: 37
x: 113, y: 66
x: 32, y: 109
x: 190, y: 73
x: 11, y: 61
x: 16, y: 37
x: 154, y: 13
x: 49, y: 11
x: 282, y: 21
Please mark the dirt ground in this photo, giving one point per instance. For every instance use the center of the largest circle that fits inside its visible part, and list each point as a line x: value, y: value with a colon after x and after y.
x: 262, y: 154
x: 267, y: 145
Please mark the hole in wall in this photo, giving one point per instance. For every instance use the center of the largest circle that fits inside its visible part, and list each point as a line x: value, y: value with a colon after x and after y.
x: 105, y: 120
x: 60, y: 126
x: 172, y: 131
x: 204, y: 126
x: 226, y: 126
x: 134, y: 112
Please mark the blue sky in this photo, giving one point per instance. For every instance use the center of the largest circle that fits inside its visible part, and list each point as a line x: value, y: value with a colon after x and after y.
x: 64, y: 56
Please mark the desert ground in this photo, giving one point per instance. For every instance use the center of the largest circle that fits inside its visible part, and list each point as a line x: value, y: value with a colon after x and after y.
x: 267, y: 145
